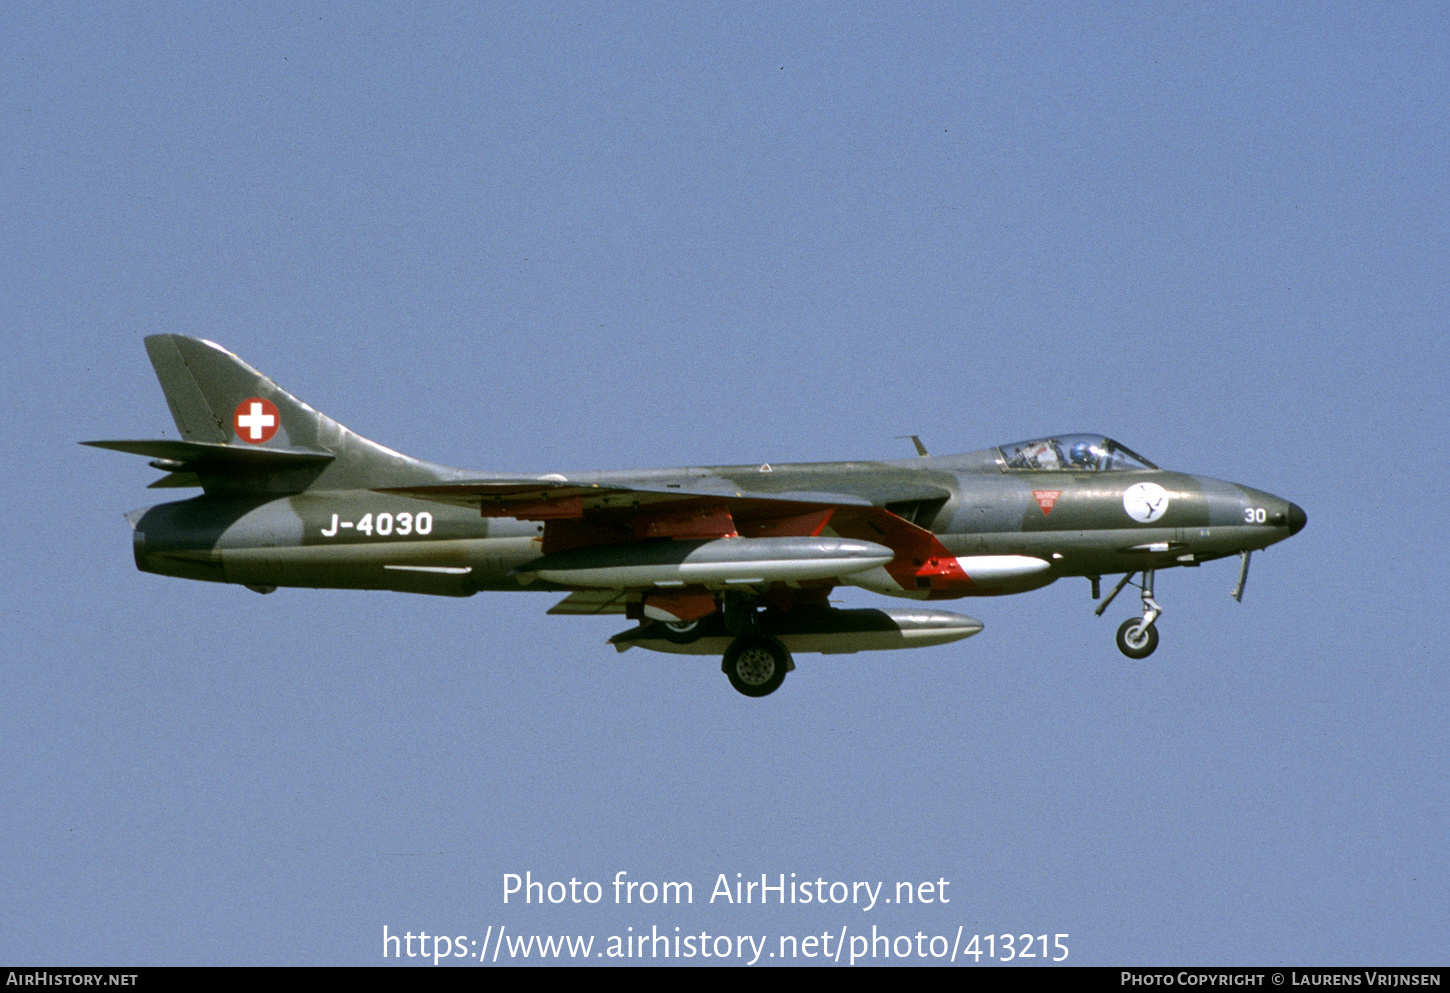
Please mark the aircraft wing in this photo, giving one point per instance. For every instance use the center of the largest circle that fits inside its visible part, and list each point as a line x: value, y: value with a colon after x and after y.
x: 582, y: 514
x: 550, y: 497
x: 543, y: 498
x: 592, y: 602
x: 596, y: 530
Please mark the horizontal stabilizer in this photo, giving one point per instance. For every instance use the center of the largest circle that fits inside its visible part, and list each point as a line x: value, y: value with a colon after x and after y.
x: 175, y: 480
x: 216, y: 457
x: 214, y: 465
x: 187, y: 462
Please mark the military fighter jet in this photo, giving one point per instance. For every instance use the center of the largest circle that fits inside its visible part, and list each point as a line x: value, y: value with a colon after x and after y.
x: 736, y: 561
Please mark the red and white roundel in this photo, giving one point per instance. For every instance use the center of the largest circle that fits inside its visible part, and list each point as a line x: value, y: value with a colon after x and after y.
x: 256, y: 420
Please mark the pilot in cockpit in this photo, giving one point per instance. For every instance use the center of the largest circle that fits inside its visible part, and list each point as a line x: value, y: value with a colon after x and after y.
x: 1083, y: 456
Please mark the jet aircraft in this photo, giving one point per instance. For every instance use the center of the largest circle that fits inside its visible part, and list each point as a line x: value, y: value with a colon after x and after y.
x: 736, y: 561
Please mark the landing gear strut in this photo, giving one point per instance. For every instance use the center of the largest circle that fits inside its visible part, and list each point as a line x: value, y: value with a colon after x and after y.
x: 739, y: 611
x: 1137, y: 637
x: 755, y: 662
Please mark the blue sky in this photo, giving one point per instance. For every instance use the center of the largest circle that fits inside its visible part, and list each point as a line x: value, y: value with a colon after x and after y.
x: 560, y: 237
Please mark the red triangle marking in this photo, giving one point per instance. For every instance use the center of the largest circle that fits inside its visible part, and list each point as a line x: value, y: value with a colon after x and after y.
x: 1046, y: 499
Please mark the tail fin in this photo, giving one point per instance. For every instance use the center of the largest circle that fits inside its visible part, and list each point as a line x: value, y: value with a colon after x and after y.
x: 208, y: 389
x: 243, y: 433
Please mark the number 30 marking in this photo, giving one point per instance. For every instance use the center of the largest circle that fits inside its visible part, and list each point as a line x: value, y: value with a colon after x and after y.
x: 1255, y: 515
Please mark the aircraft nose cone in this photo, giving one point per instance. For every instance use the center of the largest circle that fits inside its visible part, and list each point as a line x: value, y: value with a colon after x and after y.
x: 1297, y: 518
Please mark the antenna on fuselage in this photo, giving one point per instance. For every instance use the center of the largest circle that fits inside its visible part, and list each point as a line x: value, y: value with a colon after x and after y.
x: 920, y: 448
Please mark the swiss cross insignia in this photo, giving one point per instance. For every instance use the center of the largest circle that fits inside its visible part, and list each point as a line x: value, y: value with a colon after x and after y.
x: 256, y: 420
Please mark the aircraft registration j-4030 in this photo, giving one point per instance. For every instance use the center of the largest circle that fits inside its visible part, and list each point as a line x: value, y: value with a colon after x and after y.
x: 736, y: 561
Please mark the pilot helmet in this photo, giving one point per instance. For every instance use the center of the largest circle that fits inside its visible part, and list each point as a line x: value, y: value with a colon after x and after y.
x: 1083, y: 456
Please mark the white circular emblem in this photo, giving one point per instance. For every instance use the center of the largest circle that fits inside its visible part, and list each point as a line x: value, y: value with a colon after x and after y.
x: 1145, y: 502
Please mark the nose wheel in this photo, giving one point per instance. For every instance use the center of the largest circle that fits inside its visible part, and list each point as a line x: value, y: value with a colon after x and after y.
x: 1137, y: 637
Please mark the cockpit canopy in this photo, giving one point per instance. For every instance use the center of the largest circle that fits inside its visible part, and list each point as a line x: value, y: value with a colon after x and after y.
x: 1072, y: 453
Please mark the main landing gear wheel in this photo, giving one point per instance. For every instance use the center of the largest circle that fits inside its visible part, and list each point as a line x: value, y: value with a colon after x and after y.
x: 756, y: 664
x: 1136, y: 639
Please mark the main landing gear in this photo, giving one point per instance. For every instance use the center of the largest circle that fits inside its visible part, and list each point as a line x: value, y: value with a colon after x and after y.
x: 1137, y: 637
x: 755, y: 663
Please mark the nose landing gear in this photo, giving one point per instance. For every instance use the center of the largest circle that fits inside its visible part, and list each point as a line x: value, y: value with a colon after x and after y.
x: 1137, y: 637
